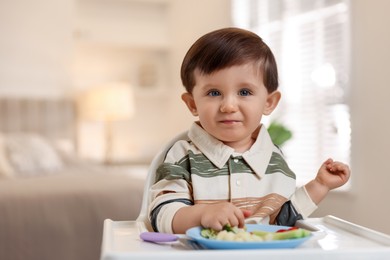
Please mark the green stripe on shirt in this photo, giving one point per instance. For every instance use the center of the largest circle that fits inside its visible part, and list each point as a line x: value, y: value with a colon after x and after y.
x: 200, y: 165
x: 278, y: 164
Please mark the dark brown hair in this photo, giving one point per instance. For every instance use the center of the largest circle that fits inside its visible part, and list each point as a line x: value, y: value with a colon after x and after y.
x: 228, y: 47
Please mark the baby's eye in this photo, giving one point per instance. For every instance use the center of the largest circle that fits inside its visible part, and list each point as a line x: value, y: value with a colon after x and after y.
x: 213, y: 93
x: 244, y: 92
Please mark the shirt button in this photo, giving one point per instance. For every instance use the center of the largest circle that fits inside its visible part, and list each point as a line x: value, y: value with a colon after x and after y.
x: 235, y: 160
x: 238, y: 182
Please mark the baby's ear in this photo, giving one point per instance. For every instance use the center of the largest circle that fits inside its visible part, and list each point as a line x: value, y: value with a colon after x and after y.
x: 190, y: 102
x: 272, y: 102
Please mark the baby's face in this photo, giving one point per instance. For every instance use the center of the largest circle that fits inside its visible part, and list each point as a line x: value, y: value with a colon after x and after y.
x: 230, y: 103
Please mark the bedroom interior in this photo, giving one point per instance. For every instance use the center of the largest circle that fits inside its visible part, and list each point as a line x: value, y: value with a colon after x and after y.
x: 63, y: 169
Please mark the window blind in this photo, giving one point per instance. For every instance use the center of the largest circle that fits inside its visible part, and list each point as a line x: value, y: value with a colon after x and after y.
x: 310, y: 40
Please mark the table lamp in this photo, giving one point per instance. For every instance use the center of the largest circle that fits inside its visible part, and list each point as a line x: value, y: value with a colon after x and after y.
x: 108, y: 103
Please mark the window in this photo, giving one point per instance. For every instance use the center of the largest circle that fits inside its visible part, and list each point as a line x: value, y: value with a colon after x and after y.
x: 310, y: 40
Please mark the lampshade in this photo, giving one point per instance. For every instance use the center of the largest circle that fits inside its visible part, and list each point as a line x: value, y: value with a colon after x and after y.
x: 109, y: 102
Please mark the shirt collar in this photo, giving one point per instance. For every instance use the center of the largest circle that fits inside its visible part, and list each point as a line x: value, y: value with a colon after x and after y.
x: 257, y: 157
x: 216, y: 151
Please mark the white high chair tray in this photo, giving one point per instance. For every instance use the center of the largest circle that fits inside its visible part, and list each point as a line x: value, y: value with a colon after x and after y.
x: 333, y: 238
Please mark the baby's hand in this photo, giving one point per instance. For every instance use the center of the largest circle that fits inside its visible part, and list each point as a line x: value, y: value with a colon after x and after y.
x: 217, y: 215
x: 333, y: 174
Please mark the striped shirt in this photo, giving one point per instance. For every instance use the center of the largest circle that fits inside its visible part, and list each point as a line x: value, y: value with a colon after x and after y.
x: 204, y: 170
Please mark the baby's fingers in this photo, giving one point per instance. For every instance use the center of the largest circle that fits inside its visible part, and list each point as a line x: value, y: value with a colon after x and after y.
x: 341, y: 170
x: 339, y: 167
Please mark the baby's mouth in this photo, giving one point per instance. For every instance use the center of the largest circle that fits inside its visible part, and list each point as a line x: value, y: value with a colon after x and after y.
x: 229, y: 121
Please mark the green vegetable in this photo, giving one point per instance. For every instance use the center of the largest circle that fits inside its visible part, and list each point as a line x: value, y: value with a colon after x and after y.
x: 228, y: 228
x: 296, y: 233
x: 208, y: 233
x: 291, y: 234
x: 211, y: 233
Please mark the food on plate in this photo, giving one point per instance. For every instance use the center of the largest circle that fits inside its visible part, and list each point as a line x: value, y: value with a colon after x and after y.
x: 241, y: 234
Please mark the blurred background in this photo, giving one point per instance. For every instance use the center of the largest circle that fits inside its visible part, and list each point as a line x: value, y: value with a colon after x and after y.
x: 119, y: 61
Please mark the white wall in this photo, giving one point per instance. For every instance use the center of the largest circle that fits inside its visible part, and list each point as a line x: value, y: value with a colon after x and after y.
x: 36, y: 39
x: 160, y: 113
x: 35, y: 47
x: 188, y: 20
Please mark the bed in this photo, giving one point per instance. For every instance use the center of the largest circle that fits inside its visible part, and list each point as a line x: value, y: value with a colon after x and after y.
x: 53, y: 204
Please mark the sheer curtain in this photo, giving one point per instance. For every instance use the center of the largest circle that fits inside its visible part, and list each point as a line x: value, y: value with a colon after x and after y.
x: 310, y: 40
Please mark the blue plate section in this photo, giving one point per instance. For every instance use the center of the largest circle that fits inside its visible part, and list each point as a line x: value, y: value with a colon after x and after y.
x: 194, y: 233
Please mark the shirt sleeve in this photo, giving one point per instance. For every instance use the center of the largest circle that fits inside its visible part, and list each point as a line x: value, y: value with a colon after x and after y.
x: 162, y: 222
x: 302, y: 202
x: 171, y: 190
x: 168, y: 195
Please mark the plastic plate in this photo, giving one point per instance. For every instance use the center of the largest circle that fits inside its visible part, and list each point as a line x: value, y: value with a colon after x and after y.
x: 194, y: 233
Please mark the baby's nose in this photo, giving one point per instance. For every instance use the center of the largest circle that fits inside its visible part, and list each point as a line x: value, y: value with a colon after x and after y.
x: 229, y: 105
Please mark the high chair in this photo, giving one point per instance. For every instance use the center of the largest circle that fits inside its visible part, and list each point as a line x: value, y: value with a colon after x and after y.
x: 143, y: 217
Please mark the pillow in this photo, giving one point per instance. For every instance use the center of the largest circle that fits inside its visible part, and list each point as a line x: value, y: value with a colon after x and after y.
x: 26, y: 154
x: 5, y: 168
